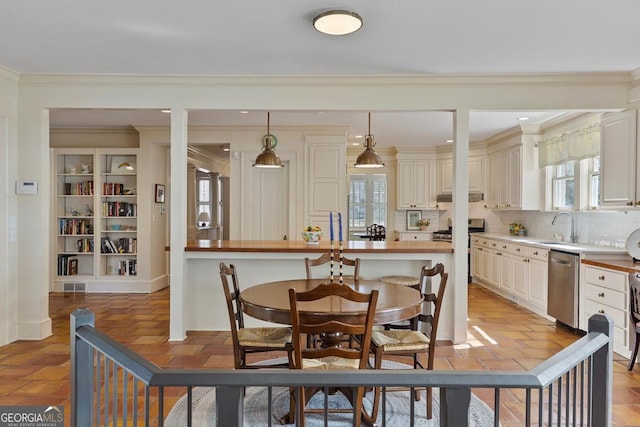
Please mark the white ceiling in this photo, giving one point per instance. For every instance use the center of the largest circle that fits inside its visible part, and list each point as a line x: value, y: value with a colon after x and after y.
x: 275, y: 37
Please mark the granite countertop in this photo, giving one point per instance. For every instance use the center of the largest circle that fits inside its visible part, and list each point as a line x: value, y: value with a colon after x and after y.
x: 579, y: 248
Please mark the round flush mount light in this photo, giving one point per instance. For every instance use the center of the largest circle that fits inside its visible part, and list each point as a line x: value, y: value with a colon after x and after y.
x: 337, y: 22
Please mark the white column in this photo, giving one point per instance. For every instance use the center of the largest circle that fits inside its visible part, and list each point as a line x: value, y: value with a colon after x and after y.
x: 178, y: 225
x: 457, y: 289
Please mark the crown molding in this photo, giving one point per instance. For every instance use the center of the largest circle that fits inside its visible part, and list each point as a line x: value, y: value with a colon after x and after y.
x: 9, y: 74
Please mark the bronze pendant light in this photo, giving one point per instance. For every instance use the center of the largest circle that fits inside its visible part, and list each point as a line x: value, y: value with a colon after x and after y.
x: 268, y: 158
x: 369, y: 158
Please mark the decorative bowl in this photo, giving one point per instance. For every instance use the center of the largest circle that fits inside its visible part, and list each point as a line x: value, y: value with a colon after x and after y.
x: 312, y: 237
x: 116, y: 227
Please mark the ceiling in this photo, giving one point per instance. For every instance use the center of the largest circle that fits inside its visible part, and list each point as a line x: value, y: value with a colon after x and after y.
x: 275, y: 37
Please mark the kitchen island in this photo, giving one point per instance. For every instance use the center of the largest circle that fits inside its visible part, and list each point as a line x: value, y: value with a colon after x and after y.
x: 265, y: 261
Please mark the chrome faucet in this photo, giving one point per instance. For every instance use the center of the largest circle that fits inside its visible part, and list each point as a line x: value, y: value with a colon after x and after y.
x: 573, y: 238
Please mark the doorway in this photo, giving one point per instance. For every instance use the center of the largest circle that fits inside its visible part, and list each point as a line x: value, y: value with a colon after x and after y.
x: 270, y: 197
x: 367, y: 203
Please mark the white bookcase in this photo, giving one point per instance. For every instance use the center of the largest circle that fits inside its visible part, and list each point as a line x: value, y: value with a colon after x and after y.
x: 96, y: 220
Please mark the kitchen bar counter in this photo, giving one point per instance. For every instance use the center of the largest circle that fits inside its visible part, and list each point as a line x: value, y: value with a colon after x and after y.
x: 293, y: 246
x: 267, y: 261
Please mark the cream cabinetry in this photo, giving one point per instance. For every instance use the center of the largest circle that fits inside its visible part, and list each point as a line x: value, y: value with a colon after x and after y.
x: 416, y: 184
x: 414, y: 235
x: 620, y: 160
x: 518, y: 272
x: 512, y: 170
x: 476, y: 171
x: 606, y: 292
x: 96, y: 214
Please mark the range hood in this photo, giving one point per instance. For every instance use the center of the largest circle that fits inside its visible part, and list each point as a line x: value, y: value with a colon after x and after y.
x: 448, y: 197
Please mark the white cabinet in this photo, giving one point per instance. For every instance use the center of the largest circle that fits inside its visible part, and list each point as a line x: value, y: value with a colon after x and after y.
x: 416, y: 184
x: 606, y: 292
x: 518, y: 272
x: 619, y: 160
x: 475, y: 170
x: 414, y: 235
x: 513, y: 170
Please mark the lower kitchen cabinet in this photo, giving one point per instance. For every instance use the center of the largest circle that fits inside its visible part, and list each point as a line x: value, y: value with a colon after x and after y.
x: 606, y: 292
x: 517, y: 272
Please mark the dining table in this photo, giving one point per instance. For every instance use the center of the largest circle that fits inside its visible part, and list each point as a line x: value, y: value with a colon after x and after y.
x: 270, y: 302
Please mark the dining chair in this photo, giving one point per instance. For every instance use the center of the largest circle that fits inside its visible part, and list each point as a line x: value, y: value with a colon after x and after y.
x: 250, y: 340
x: 634, y: 313
x: 326, y: 257
x: 324, y: 358
x: 409, y: 340
x: 376, y: 232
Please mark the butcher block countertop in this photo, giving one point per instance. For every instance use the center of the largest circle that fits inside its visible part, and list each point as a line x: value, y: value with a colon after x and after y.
x: 352, y: 246
x: 624, y: 265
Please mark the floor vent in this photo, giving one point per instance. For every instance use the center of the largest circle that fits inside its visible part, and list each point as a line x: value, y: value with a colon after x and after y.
x: 74, y: 287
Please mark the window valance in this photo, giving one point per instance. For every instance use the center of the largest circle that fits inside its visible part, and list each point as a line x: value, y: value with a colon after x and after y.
x: 575, y: 145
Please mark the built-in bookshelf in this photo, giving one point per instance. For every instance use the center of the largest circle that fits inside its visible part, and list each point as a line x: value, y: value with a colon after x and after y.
x: 118, y: 215
x: 96, y: 214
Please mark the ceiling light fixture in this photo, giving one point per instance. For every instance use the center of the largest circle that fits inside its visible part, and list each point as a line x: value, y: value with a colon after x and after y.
x: 369, y: 158
x: 524, y: 118
x: 337, y: 22
x: 268, y: 158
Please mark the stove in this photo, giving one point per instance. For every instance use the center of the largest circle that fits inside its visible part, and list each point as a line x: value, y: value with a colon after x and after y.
x: 476, y: 225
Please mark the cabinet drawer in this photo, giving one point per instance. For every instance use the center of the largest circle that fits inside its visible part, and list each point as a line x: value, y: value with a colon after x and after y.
x: 609, y: 279
x: 535, y: 253
x: 606, y: 296
x: 619, y: 316
x: 415, y: 236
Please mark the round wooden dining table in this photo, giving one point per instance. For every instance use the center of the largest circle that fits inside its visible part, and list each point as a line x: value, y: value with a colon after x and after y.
x: 270, y: 301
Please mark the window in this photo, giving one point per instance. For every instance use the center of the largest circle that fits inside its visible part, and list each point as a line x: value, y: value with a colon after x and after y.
x: 564, y: 186
x: 203, y: 199
x: 367, y: 201
x: 594, y: 182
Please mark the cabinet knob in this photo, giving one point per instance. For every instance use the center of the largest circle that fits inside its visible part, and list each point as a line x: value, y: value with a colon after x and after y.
x: 535, y: 253
x: 601, y: 294
x: 629, y: 203
x: 504, y: 247
x: 415, y: 237
x: 493, y: 244
x: 601, y: 311
x: 601, y: 277
x: 517, y: 249
x: 638, y: 203
x: 499, y: 253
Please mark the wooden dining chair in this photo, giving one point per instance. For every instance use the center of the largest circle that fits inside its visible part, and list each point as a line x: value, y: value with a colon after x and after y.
x: 409, y: 340
x: 330, y: 357
x: 634, y: 314
x: 250, y: 340
x: 326, y: 258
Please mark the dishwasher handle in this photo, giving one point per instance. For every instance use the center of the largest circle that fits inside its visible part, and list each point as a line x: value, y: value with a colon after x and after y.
x: 561, y: 262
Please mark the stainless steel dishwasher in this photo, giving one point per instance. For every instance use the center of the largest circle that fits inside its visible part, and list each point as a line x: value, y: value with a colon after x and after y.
x: 562, y: 297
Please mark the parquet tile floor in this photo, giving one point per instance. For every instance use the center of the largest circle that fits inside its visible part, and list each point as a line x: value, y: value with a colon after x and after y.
x: 502, y: 336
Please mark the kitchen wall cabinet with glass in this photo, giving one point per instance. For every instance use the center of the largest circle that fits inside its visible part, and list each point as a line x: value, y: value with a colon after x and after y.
x: 620, y: 159
x: 517, y: 272
x: 416, y: 182
x: 96, y: 221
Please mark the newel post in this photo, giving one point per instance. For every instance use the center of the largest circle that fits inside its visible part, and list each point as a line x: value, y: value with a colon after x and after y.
x: 454, y: 406
x: 81, y: 370
x: 602, y: 372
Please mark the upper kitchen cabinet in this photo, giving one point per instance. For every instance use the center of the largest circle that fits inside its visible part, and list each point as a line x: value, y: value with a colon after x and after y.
x: 416, y: 182
x: 512, y: 169
x: 476, y: 171
x: 619, y: 160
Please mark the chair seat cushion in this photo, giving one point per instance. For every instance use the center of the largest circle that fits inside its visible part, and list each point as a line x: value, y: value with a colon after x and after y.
x: 400, y: 340
x: 330, y: 362
x: 401, y: 280
x: 264, y: 337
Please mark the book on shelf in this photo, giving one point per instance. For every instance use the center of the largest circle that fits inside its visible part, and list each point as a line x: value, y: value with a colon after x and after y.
x: 127, y: 267
x: 67, y: 265
x: 119, y: 209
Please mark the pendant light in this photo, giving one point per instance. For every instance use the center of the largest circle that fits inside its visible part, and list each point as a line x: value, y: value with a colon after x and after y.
x: 369, y: 158
x: 268, y: 158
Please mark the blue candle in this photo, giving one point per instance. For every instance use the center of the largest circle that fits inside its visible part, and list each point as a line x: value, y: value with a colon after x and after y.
x: 331, y: 226
x: 340, y: 225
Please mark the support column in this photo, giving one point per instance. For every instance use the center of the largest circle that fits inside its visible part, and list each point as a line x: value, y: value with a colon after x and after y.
x: 460, y: 216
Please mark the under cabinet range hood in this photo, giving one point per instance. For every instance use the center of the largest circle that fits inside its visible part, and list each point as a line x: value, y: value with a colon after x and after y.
x: 448, y: 197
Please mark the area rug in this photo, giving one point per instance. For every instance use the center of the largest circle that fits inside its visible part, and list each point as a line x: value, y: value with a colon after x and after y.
x: 256, y: 412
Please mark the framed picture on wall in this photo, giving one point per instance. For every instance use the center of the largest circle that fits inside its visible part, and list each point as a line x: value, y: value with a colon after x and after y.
x: 159, y: 193
x: 412, y: 220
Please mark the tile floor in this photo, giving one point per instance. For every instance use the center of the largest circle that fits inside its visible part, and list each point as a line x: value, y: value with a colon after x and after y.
x: 502, y: 336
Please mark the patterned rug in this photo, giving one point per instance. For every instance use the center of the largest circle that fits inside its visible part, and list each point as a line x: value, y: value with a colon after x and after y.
x: 256, y: 413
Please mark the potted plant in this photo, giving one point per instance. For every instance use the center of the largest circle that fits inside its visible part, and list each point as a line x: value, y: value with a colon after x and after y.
x: 423, y: 223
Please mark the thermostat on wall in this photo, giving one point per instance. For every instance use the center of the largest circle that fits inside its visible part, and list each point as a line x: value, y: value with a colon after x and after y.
x: 26, y: 187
